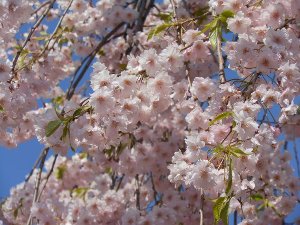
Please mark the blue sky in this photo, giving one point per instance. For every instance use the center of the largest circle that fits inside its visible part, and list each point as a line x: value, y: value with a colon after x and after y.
x: 16, y: 163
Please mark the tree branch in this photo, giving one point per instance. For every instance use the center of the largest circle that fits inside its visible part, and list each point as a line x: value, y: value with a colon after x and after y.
x: 38, y: 181
x: 88, y: 60
x: 35, y: 26
x: 220, y: 59
x: 48, y: 176
x: 137, y: 192
x: 56, y: 28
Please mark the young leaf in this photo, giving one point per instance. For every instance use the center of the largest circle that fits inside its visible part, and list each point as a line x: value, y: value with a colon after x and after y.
x: 16, y: 212
x: 58, y: 100
x: 158, y: 29
x: 218, y: 207
x: 237, y: 152
x: 1, y: 109
x: 123, y: 66
x: 227, y: 14
x: 59, y: 172
x: 65, y: 132
x: 80, y: 192
x: 221, y: 116
x: 218, y: 149
x: 52, y: 126
x: 210, y: 26
x: 101, y: 52
x: 213, y: 36
x: 233, y: 124
x: 229, y: 182
x: 83, y: 155
x: 257, y: 197
x: 225, y: 212
x: 200, y: 11
x: 166, y: 17
x: 77, y: 112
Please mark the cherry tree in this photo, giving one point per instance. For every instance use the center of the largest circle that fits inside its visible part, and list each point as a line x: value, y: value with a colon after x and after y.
x: 176, y: 124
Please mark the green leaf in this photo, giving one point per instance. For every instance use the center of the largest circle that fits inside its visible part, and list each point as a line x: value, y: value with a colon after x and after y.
x: 225, y: 212
x: 218, y: 207
x: 121, y: 148
x: 101, y: 52
x: 123, y: 66
x: 80, y: 192
x: 213, y: 36
x: 109, y: 171
x: 65, y: 132
x: 200, y: 11
x: 233, y: 124
x: 158, y: 29
x: 83, y: 155
x: 210, y: 26
x: 218, y: 149
x: 221, y: 116
x: 229, y: 182
x: 257, y: 197
x: 1, y: 109
x: 63, y: 41
x: 237, y: 152
x: 166, y: 17
x: 44, y: 33
x: 39, y: 38
x: 59, y: 172
x: 58, y: 100
x: 52, y: 126
x: 227, y: 14
x: 77, y: 112
x: 16, y: 212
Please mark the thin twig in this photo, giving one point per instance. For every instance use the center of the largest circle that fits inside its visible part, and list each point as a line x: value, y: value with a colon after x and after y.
x: 35, y: 26
x: 201, y: 216
x: 120, y: 182
x: 137, y: 192
x: 292, y: 20
x: 57, y: 27
x: 235, y: 222
x: 143, y: 14
x: 34, y: 166
x: 220, y: 59
x: 48, y: 176
x: 174, y: 8
x: 40, y: 7
x: 38, y: 182
x: 201, y: 206
x: 153, y: 188
x: 88, y: 60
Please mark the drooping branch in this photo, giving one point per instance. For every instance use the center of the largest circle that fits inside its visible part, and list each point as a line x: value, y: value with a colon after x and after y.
x: 56, y: 28
x: 40, y: 7
x: 81, y: 70
x: 35, y: 26
x: 38, y: 181
x: 48, y: 176
x: 144, y: 10
x: 220, y: 58
x: 137, y: 192
x: 34, y: 166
